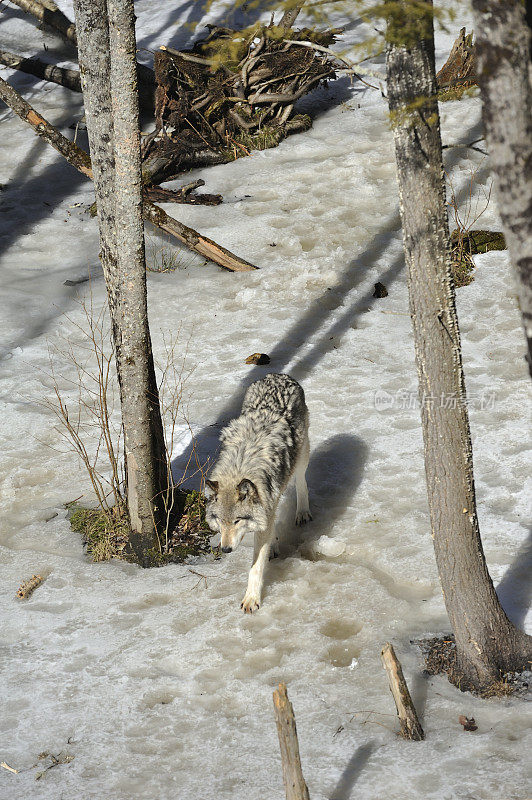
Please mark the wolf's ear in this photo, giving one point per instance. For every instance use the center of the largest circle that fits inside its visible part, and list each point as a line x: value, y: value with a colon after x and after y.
x: 211, y: 489
x: 247, y: 491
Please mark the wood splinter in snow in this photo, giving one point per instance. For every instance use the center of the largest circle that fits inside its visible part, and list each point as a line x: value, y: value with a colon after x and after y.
x: 26, y: 588
x: 294, y: 782
x: 408, y: 719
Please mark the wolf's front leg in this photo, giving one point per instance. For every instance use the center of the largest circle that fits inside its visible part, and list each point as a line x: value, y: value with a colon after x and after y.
x: 261, y: 554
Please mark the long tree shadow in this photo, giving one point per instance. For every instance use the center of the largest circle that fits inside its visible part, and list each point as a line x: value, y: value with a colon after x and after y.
x: 313, y: 324
x: 515, y: 588
x: 285, y: 352
x: 351, y: 773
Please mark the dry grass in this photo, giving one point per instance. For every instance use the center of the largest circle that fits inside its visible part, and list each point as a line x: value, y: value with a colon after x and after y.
x: 106, y: 535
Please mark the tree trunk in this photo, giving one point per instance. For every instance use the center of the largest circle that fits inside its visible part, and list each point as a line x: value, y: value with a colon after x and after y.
x: 503, y: 54
x: 488, y: 644
x: 111, y: 107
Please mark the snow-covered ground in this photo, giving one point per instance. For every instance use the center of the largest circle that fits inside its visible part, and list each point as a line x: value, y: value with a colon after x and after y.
x: 154, y: 681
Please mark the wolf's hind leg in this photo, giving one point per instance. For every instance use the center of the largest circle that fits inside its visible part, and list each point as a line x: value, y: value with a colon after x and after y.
x: 303, y: 514
x: 261, y: 553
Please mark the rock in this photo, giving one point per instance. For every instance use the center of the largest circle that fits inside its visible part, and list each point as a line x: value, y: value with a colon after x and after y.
x: 258, y: 358
x: 380, y: 290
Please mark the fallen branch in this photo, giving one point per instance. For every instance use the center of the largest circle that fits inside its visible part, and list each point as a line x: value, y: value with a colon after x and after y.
x: 290, y: 16
x: 51, y: 16
x: 408, y: 719
x: 294, y: 782
x: 69, y: 78
x: 79, y: 159
x: 183, y: 195
x: 48, y: 13
x: 28, y: 586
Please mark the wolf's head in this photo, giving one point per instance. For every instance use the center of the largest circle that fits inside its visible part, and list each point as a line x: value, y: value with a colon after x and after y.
x: 233, y: 509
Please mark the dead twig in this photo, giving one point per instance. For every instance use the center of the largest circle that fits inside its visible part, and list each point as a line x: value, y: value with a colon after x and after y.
x: 81, y: 160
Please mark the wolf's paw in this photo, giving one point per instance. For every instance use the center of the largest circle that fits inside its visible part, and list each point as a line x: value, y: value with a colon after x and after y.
x: 250, y: 603
x: 302, y: 517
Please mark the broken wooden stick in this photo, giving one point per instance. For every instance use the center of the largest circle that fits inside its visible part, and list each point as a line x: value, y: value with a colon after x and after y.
x: 47, y: 12
x: 183, y: 195
x: 294, y: 783
x: 40, y: 69
x: 408, y: 719
x: 50, y: 15
x: 79, y: 159
x: 28, y: 586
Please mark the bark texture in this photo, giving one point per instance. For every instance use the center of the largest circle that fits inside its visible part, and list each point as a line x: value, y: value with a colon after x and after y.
x: 51, y: 15
x: 406, y: 711
x: 73, y: 154
x: 144, y: 441
x: 488, y: 644
x: 503, y: 55
x: 48, y: 72
x: 111, y: 108
x: 294, y: 782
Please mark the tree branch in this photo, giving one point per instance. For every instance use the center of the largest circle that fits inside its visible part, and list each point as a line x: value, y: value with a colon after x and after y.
x: 46, y: 72
x: 50, y: 16
x: 79, y: 159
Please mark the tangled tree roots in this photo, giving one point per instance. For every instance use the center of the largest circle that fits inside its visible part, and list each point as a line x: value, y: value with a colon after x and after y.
x: 234, y: 91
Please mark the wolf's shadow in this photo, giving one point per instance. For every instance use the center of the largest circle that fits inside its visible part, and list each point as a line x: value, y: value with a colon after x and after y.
x: 334, y: 473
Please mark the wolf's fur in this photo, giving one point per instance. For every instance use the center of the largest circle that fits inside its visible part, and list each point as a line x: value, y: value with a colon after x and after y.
x: 261, y: 450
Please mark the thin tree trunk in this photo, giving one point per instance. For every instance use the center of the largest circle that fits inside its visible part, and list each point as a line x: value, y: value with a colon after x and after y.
x: 111, y: 107
x: 144, y: 441
x: 290, y: 15
x: 488, y: 644
x: 503, y: 55
x: 80, y: 160
x: 48, y: 72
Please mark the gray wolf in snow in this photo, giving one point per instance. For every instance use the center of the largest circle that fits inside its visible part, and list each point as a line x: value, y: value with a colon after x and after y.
x: 261, y: 450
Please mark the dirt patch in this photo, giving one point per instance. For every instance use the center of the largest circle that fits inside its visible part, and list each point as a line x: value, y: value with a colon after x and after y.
x: 440, y: 656
x: 105, y: 535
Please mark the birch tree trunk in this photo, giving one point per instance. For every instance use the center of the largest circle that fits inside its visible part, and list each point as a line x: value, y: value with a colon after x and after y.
x: 488, y: 644
x: 503, y: 54
x: 111, y: 105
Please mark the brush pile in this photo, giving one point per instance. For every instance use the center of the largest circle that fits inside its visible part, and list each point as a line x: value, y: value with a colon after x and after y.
x: 233, y: 92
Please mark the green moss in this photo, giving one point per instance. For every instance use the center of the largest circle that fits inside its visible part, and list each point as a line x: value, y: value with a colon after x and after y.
x: 106, y: 534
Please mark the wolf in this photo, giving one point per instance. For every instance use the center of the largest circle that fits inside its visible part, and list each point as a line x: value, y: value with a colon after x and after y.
x: 261, y: 450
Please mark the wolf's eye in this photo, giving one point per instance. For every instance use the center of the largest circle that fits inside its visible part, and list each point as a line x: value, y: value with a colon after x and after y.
x: 240, y: 519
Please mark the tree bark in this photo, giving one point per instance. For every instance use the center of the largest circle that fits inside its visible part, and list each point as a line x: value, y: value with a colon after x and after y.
x: 111, y: 108
x: 81, y: 161
x: 144, y: 440
x: 406, y: 711
x: 503, y: 55
x: 488, y: 644
x: 50, y: 15
x: 69, y: 78
x: 294, y: 782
